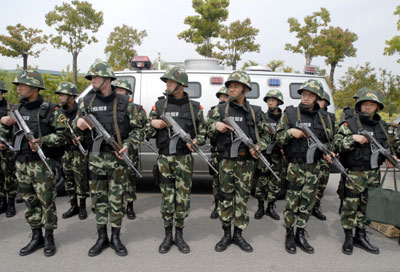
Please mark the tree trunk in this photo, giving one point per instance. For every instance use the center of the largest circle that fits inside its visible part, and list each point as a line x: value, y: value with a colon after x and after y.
x: 308, y: 60
x: 25, y: 58
x: 233, y: 65
x: 331, y: 77
x: 75, y: 67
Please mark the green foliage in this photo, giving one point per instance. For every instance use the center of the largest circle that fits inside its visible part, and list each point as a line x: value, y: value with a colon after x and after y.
x: 163, y: 64
x: 239, y: 38
x: 249, y: 63
x: 275, y: 65
x: 120, y: 46
x: 206, y: 25
x: 393, y: 45
x: 308, y: 34
x: 20, y: 42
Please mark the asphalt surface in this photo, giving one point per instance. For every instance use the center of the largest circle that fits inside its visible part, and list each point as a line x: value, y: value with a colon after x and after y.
x: 143, y: 235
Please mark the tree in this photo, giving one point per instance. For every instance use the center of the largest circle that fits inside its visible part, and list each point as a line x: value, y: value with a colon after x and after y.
x: 206, y: 25
x: 238, y: 39
x: 308, y: 34
x: 336, y: 44
x: 120, y: 46
x: 274, y: 65
x: 249, y: 63
x: 20, y: 43
x: 393, y: 45
x: 74, y: 24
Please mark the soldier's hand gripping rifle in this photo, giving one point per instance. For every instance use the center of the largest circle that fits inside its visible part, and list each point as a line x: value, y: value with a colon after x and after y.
x: 376, y: 149
x: 241, y: 137
x: 24, y: 130
x: 314, y: 143
x: 2, y: 140
x: 74, y: 137
x: 103, y: 135
x: 179, y: 133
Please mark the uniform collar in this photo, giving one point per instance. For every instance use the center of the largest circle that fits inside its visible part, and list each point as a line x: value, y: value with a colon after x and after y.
x: 32, y: 105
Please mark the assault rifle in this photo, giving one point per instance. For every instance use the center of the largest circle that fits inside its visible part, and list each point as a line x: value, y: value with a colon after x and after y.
x: 241, y: 137
x: 271, y: 132
x: 7, y: 144
x: 314, y: 143
x: 150, y: 146
x: 103, y: 135
x: 74, y: 137
x: 179, y: 133
x: 376, y: 149
x: 24, y: 130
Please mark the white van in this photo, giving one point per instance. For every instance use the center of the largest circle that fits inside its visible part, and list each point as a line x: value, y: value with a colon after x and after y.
x: 206, y: 77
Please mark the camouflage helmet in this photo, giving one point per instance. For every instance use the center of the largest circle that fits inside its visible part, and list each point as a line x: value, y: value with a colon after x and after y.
x: 274, y: 94
x: 313, y: 86
x: 30, y: 78
x: 359, y: 92
x: 67, y: 88
x: 177, y: 74
x: 371, y: 95
x: 239, y: 76
x: 101, y: 69
x: 3, y: 86
x: 222, y: 90
x: 325, y: 96
x: 123, y: 84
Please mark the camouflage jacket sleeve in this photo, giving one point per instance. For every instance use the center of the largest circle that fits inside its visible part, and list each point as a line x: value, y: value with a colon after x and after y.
x: 6, y: 132
x: 144, y: 120
x: 213, y: 118
x: 283, y: 131
x: 58, y: 137
x: 135, y: 129
x: 396, y: 144
x: 201, y: 127
x: 343, y: 140
x: 151, y: 131
x: 263, y: 133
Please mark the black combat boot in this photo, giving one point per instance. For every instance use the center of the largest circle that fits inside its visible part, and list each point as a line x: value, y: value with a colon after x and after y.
x: 49, y: 246
x: 214, y: 213
x: 226, y: 240
x: 240, y: 241
x: 270, y: 211
x: 260, y: 211
x: 73, y: 210
x: 361, y: 240
x: 82, y: 209
x: 101, y: 243
x: 301, y: 241
x: 166, y: 244
x: 290, y: 244
x: 317, y: 212
x: 347, y: 247
x: 36, y: 242
x: 3, y: 204
x: 116, y: 243
x: 10, y: 212
x: 130, y: 213
x: 179, y: 242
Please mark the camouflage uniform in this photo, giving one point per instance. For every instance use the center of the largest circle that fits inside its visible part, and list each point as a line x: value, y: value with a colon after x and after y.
x: 356, y: 157
x: 8, y: 181
x: 236, y: 173
x: 302, y: 177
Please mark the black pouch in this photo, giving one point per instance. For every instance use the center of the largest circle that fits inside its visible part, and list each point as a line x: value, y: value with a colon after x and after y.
x: 156, y: 175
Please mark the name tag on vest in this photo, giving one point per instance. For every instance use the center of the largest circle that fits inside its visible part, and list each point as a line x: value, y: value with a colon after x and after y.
x: 99, y: 108
x: 307, y: 124
x: 238, y: 118
x: 172, y: 113
x: 26, y: 118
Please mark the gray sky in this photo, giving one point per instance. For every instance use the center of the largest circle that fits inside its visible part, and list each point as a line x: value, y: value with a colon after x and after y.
x: 373, y: 21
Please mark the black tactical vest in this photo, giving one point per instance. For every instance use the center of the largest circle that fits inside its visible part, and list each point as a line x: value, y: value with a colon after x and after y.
x: 272, y: 120
x: 359, y: 158
x: 296, y: 149
x: 4, y: 107
x: 244, y: 119
x: 180, y: 110
x: 102, y: 108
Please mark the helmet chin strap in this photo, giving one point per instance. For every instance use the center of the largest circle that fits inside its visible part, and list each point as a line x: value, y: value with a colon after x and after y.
x: 233, y: 98
x: 174, y: 90
x: 24, y: 96
x: 101, y: 86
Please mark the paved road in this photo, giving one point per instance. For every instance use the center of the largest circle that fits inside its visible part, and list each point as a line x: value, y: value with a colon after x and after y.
x: 143, y: 235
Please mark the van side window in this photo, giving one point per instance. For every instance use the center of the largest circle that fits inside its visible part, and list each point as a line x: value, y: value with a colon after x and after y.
x: 255, y: 91
x: 194, y: 89
x: 131, y: 80
x: 294, y: 87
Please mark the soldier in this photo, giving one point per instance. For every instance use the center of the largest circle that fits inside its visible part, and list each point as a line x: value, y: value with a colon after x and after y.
x: 73, y: 161
x: 236, y: 173
x: 223, y: 97
x: 268, y: 187
x: 122, y: 86
x: 302, y: 177
x: 175, y: 170
x: 325, y: 168
x: 8, y: 181
x: 36, y: 184
x: 355, y: 153
x: 106, y: 169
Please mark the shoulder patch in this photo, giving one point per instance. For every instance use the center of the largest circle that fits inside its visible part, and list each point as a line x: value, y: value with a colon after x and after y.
x: 130, y: 100
x: 56, y: 108
x: 345, y: 123
x: 201, y: 107
x: 62, y: 120
x: 154, y: 108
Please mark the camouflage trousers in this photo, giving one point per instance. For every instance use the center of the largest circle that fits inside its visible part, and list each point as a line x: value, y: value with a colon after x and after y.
x: 300, y: 199
x: 130, y: 182
x: 175, y: 185
x: 107, y: 188
x: 356, y: 198
x: 39, y: 193
x: 236, y: 178
x: 75, y: 167
x: 268, y: 187
x: 8, y: 181
x: 215, y: 181
x: 323, y: 179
